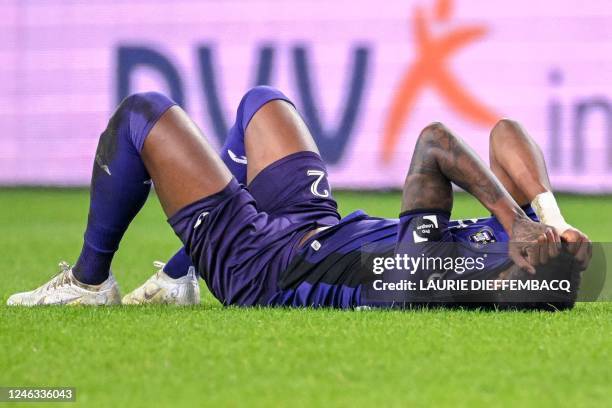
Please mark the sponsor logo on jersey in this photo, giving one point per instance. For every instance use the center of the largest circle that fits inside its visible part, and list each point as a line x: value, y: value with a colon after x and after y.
x: 426, y: 229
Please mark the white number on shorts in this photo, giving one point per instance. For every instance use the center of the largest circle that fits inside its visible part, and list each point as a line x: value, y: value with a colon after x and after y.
x: 314, y: 188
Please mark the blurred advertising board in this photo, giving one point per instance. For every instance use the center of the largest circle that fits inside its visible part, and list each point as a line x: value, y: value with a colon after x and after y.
x: 366, y: 76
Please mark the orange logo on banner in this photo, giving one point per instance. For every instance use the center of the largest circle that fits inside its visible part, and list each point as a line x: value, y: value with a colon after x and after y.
x: 431, y: 69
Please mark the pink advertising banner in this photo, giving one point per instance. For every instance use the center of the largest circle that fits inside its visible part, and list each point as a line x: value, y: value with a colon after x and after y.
x: 366, y: 75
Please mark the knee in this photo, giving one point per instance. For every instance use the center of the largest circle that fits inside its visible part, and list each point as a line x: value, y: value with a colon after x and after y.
x: 503, y: 128
x: 259, y: 95
x: 145, y: 102
x: 260, y: 92
x: 138, y: 113
x: 254, y: 99
x: 143, y: 105
x: 506, y: 123
x: 434, y: 133
x: 507, y: 133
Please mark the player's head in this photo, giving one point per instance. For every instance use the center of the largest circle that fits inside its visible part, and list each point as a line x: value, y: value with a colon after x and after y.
x: 554, y: 286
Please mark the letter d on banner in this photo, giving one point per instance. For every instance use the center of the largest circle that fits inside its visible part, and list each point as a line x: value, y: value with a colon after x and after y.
x: 130, y: 58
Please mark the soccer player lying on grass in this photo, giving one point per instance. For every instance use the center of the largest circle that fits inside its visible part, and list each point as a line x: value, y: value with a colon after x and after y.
x: 280, y: 241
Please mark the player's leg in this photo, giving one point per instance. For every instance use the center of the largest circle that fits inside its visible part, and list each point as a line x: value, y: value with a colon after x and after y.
x: 263, y: 111
x: 233, y: 155
x: 285, y: 173
x: 234, y: 152
x: 275, y: 131
x: 174, y: 281
x: 147, y: 138
x: 518, y: 162
x: 288, y: 181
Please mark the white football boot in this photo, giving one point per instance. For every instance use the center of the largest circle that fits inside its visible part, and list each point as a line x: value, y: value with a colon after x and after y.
x: 162, y: 289
x: 64, y: 289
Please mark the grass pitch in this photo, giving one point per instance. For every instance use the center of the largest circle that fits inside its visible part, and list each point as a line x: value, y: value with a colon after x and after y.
x: 211, y: 356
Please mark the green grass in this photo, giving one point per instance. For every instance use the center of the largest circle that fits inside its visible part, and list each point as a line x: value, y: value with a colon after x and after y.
x: 210, y: 356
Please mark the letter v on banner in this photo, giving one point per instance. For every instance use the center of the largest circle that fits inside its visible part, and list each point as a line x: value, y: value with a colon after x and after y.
x: 208, y: 78
x: 331, y: 143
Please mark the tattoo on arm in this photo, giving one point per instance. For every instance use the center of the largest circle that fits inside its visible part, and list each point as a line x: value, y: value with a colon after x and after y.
x: 441, y: 158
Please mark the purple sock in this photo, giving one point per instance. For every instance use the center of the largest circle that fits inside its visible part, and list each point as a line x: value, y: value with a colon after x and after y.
x: 178, y: 265
x: 120, y: 183
x: 233, y: 154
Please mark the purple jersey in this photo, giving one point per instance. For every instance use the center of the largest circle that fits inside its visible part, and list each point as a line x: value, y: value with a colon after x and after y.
x: 331, y: 269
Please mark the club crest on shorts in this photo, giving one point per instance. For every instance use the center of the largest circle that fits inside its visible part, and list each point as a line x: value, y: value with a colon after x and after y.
x: 426, y: 228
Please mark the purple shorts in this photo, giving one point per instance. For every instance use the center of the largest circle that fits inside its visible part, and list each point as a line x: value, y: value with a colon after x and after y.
x: 241, y: 239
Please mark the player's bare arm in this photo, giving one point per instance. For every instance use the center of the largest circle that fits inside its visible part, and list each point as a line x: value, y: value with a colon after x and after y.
x: 440, y: 158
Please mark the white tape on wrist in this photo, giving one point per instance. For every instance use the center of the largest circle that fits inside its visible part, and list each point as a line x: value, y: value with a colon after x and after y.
x: 545, y: 206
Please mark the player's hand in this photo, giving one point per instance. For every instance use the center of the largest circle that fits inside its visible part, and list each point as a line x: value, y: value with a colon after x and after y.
x: 533, y: 244
x: 579, y: 245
